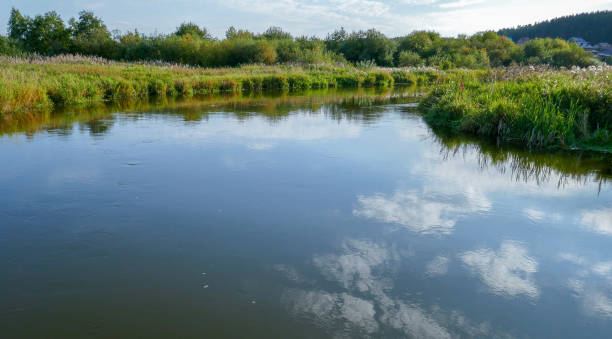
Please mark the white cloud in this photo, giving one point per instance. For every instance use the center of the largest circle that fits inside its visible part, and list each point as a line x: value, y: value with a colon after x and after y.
x: 438, y: 266
x: 598, y: 303
x: 597, y: 220
x: 537, y: 215
x: 477, y: 185
x: 356, y: 270
x: 363, y: 268
x: 444, y: 199
x: 575, y: 285
x: 329, y: 308
x: 299, y: 11
x: 502, y: 14
x: 316, y: 302
x: 507, y: 271
x: 461, y: 3
x: 420, y: 2
x: 414, y: 322
x: 410, y: 210
x: 359, y: 311
x: 420, y: 212
x: 589, y: 284
x: 289, y: 272
x: 603, y: 268
x: 447, y: 188
x: 353, y: 269
x: 534, y: 214
x: 449, y: 18
x: 361, y: 7
x: 261, y: 146
x: 572, y: 258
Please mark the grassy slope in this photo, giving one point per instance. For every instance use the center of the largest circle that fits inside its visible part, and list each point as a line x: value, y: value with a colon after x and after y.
x: 538, y: 108
x: 29, y: 85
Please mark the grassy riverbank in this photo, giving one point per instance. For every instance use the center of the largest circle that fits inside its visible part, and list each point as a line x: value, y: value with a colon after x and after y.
x: 41, y: 83
x: 539, y: 108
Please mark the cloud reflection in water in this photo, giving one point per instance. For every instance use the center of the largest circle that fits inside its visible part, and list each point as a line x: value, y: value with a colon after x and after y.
x: 597, y: 220
x: 508, y: 271
x: 419, y: 212
x: 438, y: 266
x: 591, y: 284
x: 365, y: 306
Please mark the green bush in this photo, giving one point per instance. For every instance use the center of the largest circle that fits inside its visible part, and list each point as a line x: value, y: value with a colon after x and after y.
x: 409, y: 59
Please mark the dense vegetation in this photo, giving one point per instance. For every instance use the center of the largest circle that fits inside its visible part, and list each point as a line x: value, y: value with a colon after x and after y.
x: 48, y: 35
x: 42, y: 82
x: 538, y: 108
x: 48, y: 64
x: 594, y: 27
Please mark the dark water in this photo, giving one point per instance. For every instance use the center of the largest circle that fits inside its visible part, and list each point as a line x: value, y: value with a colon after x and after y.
x: 320, y: 215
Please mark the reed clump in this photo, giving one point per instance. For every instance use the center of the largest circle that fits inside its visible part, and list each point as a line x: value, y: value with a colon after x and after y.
x: 537, y: 107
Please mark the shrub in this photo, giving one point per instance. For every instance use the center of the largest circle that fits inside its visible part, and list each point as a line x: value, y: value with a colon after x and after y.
x: 409, y: 59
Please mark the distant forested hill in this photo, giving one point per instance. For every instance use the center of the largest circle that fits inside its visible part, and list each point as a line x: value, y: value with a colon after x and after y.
x: 594, y: 27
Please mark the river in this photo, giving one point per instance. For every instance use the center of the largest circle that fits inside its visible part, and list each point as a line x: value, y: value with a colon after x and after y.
x: 322, y: 214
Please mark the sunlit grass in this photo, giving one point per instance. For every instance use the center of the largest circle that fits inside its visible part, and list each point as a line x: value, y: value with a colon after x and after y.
x: 540, y: 108
x: 40, y: 83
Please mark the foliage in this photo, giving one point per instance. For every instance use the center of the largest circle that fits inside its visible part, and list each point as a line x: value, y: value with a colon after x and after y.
x: 90, y: 36
x: 193, y: 30
x: 8, y: 48
x: 501, y: 50
x: 538, y: 108
x: 276, y: 33
x: 44, y: 34
x: 193, y: 45
x: 362, y: 46
x: 444, y: 53
x: 233, y: 33
x: 409, y: 59
x: 556, y: 52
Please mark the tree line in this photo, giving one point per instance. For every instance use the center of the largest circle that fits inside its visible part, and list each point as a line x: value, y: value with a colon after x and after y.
x: 47, y: 34
x: 593, y: 27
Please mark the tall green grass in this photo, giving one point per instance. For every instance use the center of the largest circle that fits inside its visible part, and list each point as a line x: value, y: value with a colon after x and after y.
x: 39, y: 84
x: 541, y: 109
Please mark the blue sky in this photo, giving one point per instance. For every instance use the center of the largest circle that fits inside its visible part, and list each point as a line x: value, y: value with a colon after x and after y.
x: 312, y: 17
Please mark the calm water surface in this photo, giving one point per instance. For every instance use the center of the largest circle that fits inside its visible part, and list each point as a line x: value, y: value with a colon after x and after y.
x: 319, y: 215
